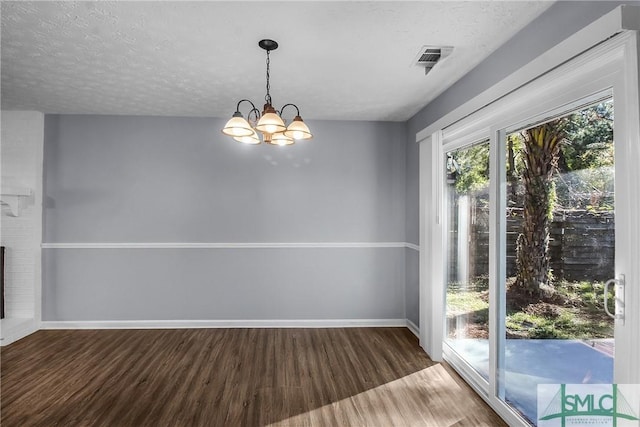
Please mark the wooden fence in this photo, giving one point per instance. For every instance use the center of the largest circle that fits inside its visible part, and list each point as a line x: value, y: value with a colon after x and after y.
x: 581, y: 246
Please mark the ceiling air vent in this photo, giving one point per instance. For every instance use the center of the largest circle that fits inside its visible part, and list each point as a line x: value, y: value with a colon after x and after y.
x: 429, y: 56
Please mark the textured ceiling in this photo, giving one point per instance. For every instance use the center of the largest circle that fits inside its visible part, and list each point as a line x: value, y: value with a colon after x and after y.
x: 337, y: 60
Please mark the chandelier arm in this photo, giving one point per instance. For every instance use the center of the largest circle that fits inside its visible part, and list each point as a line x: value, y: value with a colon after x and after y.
x: 255, y: 111
x: 253, y: 107
x: 287, y: 105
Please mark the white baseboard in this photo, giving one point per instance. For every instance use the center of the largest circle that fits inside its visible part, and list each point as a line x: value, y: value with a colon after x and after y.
x: 413, y: 328
x: 14, y: 329
x: 192, y: 324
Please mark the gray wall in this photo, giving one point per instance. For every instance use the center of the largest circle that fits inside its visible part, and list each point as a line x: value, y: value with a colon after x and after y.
x: 145, y: 179
x: 412, y: 286
x: 560, y: 21
x: 150, y: 179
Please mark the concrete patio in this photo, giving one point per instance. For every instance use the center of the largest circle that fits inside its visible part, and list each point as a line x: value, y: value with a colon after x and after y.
x: 529, y: 362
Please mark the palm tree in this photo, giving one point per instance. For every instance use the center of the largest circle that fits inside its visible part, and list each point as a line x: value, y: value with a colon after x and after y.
x: 541, y: 147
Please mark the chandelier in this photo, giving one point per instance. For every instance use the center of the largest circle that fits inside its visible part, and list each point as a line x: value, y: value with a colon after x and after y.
x: 269, y: 123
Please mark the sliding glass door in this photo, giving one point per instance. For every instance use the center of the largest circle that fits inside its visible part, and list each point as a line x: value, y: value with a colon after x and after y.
x: 467, y: 260
x: 559, y: 239
x: 538, y: 200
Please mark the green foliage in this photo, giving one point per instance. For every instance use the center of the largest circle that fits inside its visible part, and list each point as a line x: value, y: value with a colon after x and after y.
x: 465, y: 302
x: 568, y: 325
x: 538, y: 326
x: 586, y: 294
x: 578, y: 313
x: 585, y: 177
x: 589, y: 138
x: 553, y: 198
x: 469, y: 167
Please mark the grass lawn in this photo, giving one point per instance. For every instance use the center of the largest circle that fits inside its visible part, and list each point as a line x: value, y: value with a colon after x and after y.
x: 574, y: 311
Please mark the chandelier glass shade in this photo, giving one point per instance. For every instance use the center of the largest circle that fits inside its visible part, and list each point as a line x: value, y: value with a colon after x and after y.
x: 252, y: 139
x: 269, y: 123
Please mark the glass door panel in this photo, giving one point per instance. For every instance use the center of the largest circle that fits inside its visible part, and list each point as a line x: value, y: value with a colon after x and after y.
x: 560, y: 249
x: 467, y: 256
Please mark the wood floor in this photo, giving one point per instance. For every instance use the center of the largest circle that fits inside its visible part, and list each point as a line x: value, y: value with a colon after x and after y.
x: 232, y: 377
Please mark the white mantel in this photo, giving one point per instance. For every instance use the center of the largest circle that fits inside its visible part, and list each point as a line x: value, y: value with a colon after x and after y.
x: 12, y: 197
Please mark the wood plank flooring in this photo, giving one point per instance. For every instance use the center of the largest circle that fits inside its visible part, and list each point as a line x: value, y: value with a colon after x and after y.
x: 232, y: 377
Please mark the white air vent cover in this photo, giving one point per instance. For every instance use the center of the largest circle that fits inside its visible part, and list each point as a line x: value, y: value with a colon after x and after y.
x: 429, y: 56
